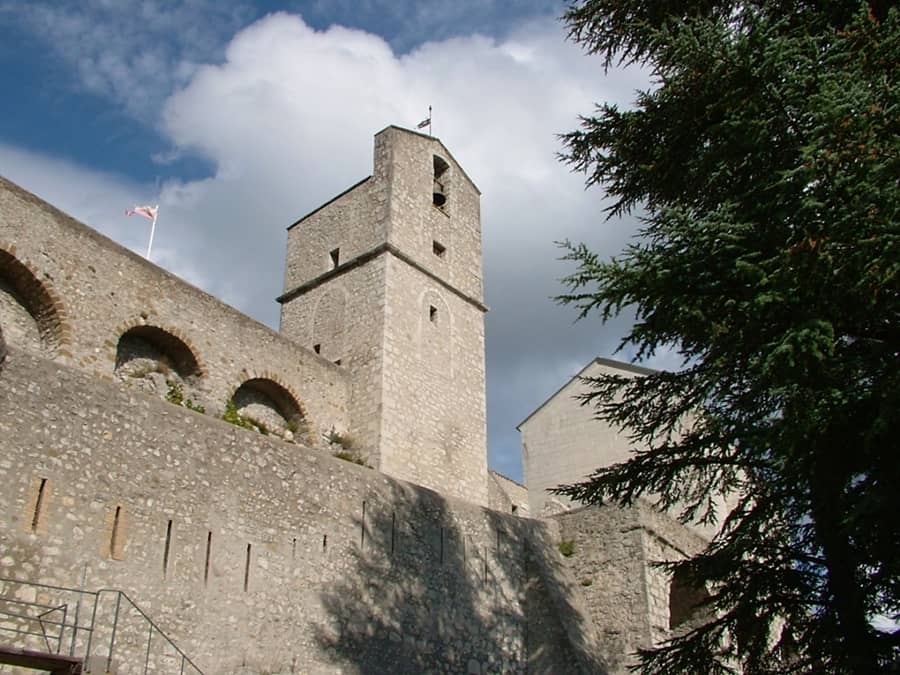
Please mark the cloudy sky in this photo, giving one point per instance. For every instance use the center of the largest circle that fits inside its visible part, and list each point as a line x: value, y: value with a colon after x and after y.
x: 239, y: 117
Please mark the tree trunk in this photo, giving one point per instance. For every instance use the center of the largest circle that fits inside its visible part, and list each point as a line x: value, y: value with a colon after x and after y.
x: 847, y: 599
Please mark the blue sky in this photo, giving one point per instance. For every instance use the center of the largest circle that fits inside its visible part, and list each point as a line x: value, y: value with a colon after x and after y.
x: 239, y: 117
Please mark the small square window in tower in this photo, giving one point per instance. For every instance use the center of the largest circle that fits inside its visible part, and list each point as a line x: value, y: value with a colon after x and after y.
x: 432, y: 313
x: 334, y: 258
x: 441, y: 188
x: 438, y: 248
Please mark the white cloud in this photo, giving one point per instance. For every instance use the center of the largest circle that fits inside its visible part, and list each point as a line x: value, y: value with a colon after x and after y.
x: 133, y: 52
x: 91, y: 196
x: 99, y: 199
x: 287, y: 119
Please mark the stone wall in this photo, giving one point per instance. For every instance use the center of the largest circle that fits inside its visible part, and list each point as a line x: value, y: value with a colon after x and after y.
x: 665, y: 539
x: 416, y: 224
x: 611, y: 553
x: 357, y: 342
x: 562, y: 441
x: 262, y: 556
x: 69, y: 293
x: 506, y: 495
x: 435, y: 423
x: 352, y: 223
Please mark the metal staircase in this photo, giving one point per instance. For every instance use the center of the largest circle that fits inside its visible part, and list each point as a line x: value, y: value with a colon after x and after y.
x: 68, y: 631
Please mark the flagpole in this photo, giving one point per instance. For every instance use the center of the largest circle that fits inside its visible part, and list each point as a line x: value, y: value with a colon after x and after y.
x: 152, y: 230
x: 430, y: 118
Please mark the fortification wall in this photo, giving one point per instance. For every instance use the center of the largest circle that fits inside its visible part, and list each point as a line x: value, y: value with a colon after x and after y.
x: 70, y: 293
x: 611, y: 555
x: 506, y: 495
x: 665, y: 539
x: 262, y: 556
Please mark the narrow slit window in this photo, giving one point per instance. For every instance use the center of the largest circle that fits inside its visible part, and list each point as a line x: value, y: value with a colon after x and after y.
x: 432, y: 313
x: 317, y: 348
x: 393, y: 531
x: 438, y: 248
x: 38, y: 503
x: 334, y: 258
x: 362, y: 529
x: 247, y: 569
x: 114, y: 542
x: 167, y: 548
x: 206, y: 562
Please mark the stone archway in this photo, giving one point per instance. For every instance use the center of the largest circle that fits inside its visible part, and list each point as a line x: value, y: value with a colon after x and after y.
x: 30, y: 312
x: 270, y: 407
x: 156, y: 360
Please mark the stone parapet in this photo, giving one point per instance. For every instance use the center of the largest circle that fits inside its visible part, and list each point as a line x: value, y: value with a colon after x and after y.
x: 69, y: 293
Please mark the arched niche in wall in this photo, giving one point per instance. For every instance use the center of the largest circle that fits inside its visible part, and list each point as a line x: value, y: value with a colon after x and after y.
x: 156, y: 360
x: 435, y: 334
x: 30, y: 312
x: 270, y: 408
x: 685, y: 601
x: 329, y: 324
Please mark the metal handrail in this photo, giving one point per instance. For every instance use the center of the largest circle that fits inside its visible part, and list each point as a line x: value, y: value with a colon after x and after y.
x: 92, y: 627
x: 39, y: 619
x: 43, y: 623
x: 63, y: 625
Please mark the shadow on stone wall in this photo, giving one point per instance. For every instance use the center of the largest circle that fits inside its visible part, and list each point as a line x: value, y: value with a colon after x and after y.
x: 431, y: 592
x: 387, y: 578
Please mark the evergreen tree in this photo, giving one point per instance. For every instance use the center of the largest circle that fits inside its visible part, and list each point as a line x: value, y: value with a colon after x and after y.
x: 765, y: 163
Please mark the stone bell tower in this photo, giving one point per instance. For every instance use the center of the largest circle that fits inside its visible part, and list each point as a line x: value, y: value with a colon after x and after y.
x: 385, y: 280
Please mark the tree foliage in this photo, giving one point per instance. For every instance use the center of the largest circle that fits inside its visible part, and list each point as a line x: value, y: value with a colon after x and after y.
x: 765, y: 159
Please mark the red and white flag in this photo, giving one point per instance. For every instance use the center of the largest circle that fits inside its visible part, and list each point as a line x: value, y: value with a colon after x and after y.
x: 146, y: 211
x: 149, y: 212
